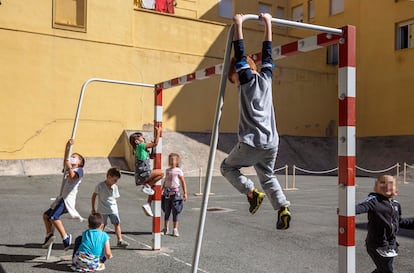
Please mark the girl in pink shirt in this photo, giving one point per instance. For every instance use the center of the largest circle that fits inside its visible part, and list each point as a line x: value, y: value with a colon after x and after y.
x: 172, y: 200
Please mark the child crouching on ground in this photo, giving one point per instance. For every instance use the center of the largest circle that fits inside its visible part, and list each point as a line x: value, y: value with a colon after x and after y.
x: 92, y: 248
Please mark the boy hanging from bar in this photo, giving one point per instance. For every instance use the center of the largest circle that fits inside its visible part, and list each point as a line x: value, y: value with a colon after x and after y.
x: 258, y: 138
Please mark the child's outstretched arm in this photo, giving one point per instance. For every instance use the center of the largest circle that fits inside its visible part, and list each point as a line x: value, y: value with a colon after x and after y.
x: 157, y: 138
x: 238, y: 24
x: 107, y: 250
x: 267, y: 20
x: 407, y: 223
x: 267, y: 60
x: 67, y: 152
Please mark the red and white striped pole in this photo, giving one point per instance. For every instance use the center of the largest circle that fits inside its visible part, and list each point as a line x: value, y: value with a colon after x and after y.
x: 346, y: 150
x: 156, y: 198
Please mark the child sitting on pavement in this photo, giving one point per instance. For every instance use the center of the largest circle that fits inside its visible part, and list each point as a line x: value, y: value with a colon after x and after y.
x: 91, y: 249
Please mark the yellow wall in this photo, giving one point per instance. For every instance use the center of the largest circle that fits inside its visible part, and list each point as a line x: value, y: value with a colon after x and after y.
x: 43, y: 69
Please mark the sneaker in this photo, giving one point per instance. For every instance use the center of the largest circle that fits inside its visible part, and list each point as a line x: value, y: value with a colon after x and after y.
x: 122, y: 243
x: 283, y: 218
x: 256, y: 201
x: 147, y: 210
x: 389, y: 253
x: 49, y: 239
x: 175, y: 232
x: 164, y: 231
x: 147, y: 189
x: 67, y: 241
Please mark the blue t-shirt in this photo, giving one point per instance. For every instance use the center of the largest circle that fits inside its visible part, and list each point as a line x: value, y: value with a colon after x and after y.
x: 93, y: 242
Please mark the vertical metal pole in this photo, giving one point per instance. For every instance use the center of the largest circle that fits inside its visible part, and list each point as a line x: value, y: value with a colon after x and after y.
x: 213, y: 149
x: 398, y: 170
x: 293, y: 176
x: 405, y: 172
x: 286, y: 176
x: 156, y: 198
x: 346, y: 151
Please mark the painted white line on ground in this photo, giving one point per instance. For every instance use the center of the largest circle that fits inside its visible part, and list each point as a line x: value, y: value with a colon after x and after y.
x: 161, y: 253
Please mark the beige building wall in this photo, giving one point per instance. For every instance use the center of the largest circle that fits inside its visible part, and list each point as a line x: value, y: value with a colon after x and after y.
x: 43, y: 69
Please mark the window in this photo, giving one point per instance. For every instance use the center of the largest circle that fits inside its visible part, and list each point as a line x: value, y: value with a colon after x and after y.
x: 280, y: 13
x: 69, y: 14
x: 265, y: 9
x: 225, y: 8
x: 332, y: 54
x: 404, y: 35
x: 336, y: 6
x: 311, y: 9
x: 297, y: 13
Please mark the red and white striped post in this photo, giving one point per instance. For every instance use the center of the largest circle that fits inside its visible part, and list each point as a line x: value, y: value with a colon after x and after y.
x: 346, y: 130
x: 346, y: 150
x: 156, y: 198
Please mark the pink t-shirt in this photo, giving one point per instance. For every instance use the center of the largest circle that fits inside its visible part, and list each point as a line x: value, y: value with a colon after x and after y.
x: 172, y: 179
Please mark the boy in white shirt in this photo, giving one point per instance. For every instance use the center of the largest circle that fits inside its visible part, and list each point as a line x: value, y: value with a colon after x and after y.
x: 107, y: 192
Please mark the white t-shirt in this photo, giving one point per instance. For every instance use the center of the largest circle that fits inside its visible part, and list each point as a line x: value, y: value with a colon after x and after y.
x: 107, y: 198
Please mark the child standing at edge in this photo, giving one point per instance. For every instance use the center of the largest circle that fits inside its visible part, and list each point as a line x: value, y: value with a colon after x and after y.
x: 92, y: 248
x: 144, y: 174
x: 384, y: 220
x: 258, y: 139
x: 107, y: 192
x: 65, y: 203
x: 171, y: 196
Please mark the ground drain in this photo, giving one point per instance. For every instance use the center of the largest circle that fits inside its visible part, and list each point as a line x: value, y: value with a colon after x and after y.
x: 218, y: 209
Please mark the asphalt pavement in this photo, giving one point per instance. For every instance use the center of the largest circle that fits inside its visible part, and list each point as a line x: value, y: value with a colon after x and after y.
x: 233, y: 241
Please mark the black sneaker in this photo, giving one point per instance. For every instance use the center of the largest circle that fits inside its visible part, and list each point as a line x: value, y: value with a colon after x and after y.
x: 67, y: 241
x: 256, y: 201
x: 283, y: 218
x: 49, y: 239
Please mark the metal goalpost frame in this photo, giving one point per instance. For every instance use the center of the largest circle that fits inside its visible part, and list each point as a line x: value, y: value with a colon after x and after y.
x: 78, y: 110
x: 345, y: 37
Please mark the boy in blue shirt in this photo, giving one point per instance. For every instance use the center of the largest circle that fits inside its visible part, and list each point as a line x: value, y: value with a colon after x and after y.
x: 258, y: 139
x: 92, y: 248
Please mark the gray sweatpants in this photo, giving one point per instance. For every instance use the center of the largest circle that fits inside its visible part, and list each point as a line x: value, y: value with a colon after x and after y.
x: 263, y: 161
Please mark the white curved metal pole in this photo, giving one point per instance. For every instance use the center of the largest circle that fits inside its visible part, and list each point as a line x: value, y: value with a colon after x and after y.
x: 294, y: 24
x: 75, y: 123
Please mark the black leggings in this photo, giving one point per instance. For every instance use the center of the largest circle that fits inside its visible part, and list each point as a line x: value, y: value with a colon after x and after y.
x: 384, y: 264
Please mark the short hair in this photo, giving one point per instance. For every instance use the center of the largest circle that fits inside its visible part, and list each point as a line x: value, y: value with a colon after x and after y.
x: 114, y: 172
x: 133, y: 137
x: 176, y: 156
x: 82, y: 159
x: 95, y: 220
x: 232, y: 70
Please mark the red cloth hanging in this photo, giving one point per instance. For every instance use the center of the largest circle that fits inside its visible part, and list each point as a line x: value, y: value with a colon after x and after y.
x: 166, y: 6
